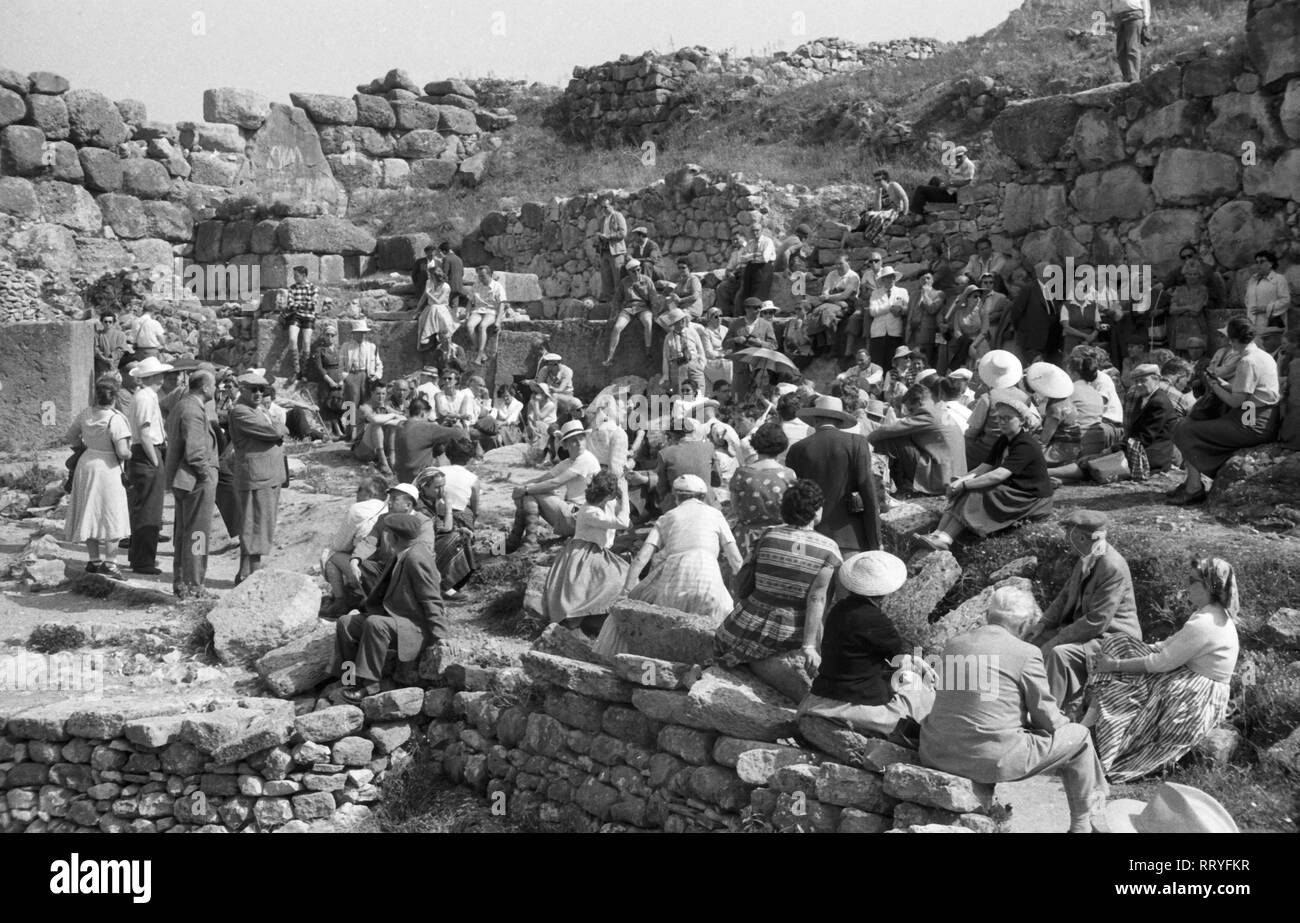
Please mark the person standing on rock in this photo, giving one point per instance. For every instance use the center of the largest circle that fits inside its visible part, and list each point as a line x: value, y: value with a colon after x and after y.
x: 301, y: 310
x: 399, y: 617
x: 760, y: 264
x: 110, y: 344
x: 144, y: 472
x: 191, y: 473
x: 259, y: 468
x: 611, y: 247
x: 1130, y: 19
x: 146, y: 335
x: 453, y: 267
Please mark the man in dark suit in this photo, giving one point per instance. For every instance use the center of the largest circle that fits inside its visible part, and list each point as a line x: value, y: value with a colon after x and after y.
x: 453, y: 267
x: 400, y: 615
x: 259, y: 470
x: 191, y: 472
x: 1096, y: 603
x: 841, y: 463
x: 926, y: 449
x: 1151, y: 416
x: 1031, y: 328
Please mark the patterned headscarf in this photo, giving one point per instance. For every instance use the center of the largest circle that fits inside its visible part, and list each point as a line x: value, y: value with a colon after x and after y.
x: 1220, y: 581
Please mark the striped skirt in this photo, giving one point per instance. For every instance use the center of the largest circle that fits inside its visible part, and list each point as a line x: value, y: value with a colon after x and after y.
x: 1149, y: 720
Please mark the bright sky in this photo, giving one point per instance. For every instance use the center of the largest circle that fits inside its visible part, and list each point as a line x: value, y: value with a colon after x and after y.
x: 166, y: 52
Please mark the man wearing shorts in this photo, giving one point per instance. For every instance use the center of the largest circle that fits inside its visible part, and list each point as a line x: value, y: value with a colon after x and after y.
x: 301, y: 312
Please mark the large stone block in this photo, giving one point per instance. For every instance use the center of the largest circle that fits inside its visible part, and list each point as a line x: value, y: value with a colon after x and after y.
x: 1032, y: 206
x: 574, y: 675
x: 852, y: 788
x: 50, y: 115
x: 937, y: 789
x: 323, y: 235
x: 663, y: 633
x: 1241, y: 228
x: 1051, y: 245
x: 147, y: 179
x: 299, y: 666
x: 169, y: 221
x: 329, y: 724
x: 1279, y: 180
x: 47, y: 246
x: 213, y: 169
x: 93, y: 120
x: 18, y: 198
x: 277, y: 268
x: 740, y: 706
x: 102, y: 169
x: 432, y: 173
x: 1034, y: 132
x: 213, y: 137
x: 400, y: 251
x: 1241, y: 119
x: 262, y: 613
x: 245, y: 108
x: 46, y: 82
x: 1160, y: 234
x: 424, y: 142
x: 1186, y: 177
x: 124, y: 214
x: 22, y: 150
x: 12, y: 107
x: 1289, y: 112
x: 1119, y: 192
x: 259, y: 735
x: 452, y: 85
x: 325, y: 109
x: 1273, y: 39
x: 69, y: 205
x: 412, y: 114
x: 374, y: 112
x: 851, y: 748
x: 1098, y: 141
x: 209, y: 730
x: 658, y: 674
x: 972, y: 613
x: 458, y: 120
x: 287, y: 167
x: 933, y: 576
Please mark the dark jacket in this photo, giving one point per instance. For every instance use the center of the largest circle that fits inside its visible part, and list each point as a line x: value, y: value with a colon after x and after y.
x: 1153, y: 426
x: 192, y: 446
x: 762, y: 335
x: 928, y: 450
x: 409, y: 590
x: 1033, y: 322
x: 1093, y: 606
x: 841, y: 463
x: 258, y: 459
x: 454, y: 268
x: 858, y: 643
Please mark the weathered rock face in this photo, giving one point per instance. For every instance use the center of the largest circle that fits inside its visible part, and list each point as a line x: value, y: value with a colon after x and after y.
x: 245, y: 108
x: 287, y: 165
x: 262, y: 613
x: 1273, y: 38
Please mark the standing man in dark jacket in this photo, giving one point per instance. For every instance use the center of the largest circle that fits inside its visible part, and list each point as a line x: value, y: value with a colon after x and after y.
x: 191, y: 473
x: 259, y: 469
x: 840, y: 463
x: 399, y: 617
x: 453, y: 267
x: 1031, y: 328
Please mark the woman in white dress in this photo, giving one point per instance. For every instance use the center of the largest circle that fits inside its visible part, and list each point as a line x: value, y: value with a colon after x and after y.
x: 98, y: 513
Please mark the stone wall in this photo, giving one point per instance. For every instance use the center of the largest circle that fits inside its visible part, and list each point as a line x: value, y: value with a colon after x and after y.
x: 46, y: 372
x: 637, y: 98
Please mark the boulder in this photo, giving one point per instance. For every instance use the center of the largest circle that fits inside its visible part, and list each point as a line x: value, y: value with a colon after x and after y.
x: 15, y: 82
x: 655, y: 673
x: 330, y: 724
x: 740, y: 706
x: 971, y: 614
x: 69, y: 205
x: 574, y: 675
x: 207, y: 731
x: 124, y: 214
x: 325, y: 109
x: 456, y: 119
x: 147, y: 179
x: 1119, y: 192
x: 1052, y: 245
x: 245, y: 108
x: 664, y: 633
x: 395, y: 173
x: 287, y: 168
x: 1160, y: 234
x: 1273, y: 39
x: 96, y: 256
x: 449, y: 86
x: 395, y: 704
x: 46, y: 82
x: 12, y: 107
x: 855, y: 821
x: 355, y: 171
x: 93, y: 120
x: 133, y: 111
x: 1032, y: 206
x: 432, y: 173
x: 354, y: 141
x: 323, y: 235
x: 374, y: 112
x: 902, y: 522
x: 1098, y: 141
x: 757, y: 766
x: 22, y: 150
x: 50, y: 115
x: 169, y: 221
x: 48, y: 246
x: 936, y: 789
x: 412, y: 114
x: 1218, y: 746
x: 1285, y: 754
x: 1279, y: 180
x: 1241, y: 118
x: 1186, y: 177
x: 299, y: 666
x: 473, y: 169
x: 852, y: 788
x: 262, y: 734
x: 400, y: 251
x: 1240, y: 228
x: 1282, y: 629
x: 102, y: 169
x: 1033, y: 132
x: 423, y: 142
x: 18, y: 198
x: 211, y: 136
x: 933, y: 576
x: 262, y: 613
x: 562, y: 642
x: 213, y: 169
x: 1020, y: 567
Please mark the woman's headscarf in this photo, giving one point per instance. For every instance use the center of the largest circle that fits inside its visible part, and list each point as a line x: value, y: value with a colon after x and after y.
x: 1220, y: 581
x: 424, y: 479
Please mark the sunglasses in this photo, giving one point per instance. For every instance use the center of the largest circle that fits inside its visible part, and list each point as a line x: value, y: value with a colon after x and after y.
x: 876, y: 260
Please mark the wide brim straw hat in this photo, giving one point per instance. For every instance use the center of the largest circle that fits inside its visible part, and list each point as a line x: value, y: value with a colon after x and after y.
x: 827, y: 408
x: 150, y: 366
x: 1000, y: 369
x: 1173, y: 808
x: 873, y: 573
x: 1051, y: 381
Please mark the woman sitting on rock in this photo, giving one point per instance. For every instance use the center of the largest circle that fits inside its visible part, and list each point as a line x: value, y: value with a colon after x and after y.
x: 1000, y: 371
x: 498, y: 425
x: 861, y: 649
x: 587, y: 577
x: 1073, y: 427
x: 1151, y: 703
x: 781, y: 613
x: 686, y: 542
x: 1011, y: 486
x: 539, y: 422
x: 449, y: 496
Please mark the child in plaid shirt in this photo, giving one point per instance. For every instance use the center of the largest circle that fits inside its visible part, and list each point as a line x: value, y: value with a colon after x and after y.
x: 301, y: 314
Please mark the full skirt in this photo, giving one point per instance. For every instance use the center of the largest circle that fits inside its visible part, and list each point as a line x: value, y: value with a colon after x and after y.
x: 258, y: 511
x: 584, y: 580
x: 98, y: 508
x: 987, y: 511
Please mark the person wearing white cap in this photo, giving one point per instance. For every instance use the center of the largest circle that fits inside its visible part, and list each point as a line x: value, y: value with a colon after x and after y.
x: 962, y: 378
x: 683, y: 351
x: 859, y: 644
x: 1173, y: 808
x: 841, y: 463
x: 362, y: 370
x: 886, y: 307
x: 487, y: 307
x: 260, y: 470
x: 994, y: 719
x: 900, y: 377
x: 960, y: 172
x: 556, y: 495
x: 640, y: 247
x: 552, y: 372
x: 611, y: 246
x: 637, y: 299
x: 146, y: 487
x: 685, y: 543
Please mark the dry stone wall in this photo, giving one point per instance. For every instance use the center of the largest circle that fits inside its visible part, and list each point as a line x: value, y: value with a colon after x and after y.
x: 636, y: 98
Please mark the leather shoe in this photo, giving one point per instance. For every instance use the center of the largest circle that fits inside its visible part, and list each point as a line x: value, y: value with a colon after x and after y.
x: 151, y: 571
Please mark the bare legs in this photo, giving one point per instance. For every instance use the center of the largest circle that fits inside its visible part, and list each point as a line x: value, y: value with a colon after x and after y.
x: 621, y: 322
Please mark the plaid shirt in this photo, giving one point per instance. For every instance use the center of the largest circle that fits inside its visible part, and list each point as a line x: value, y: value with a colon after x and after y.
x: 302, y: 299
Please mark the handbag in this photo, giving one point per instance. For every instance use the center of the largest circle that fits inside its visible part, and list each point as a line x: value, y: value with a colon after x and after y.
x: 1136, y: 454
x: 71, y: 465
x: 1110, y: 468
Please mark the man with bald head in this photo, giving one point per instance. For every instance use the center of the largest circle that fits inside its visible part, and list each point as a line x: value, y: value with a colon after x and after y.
x: 191, y: 473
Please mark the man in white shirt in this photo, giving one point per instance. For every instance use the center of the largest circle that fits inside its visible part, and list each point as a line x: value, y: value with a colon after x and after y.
x: 1130, y: 19
x: 726, y: 296
x: 887, y: 308
x: 760, y: 264
x: 985, y: 260
x: 961, y: 172
x: 1268, y: 294
x: 838, y: 300
x: 683, y: 352
x: 147, y: 334
x: 607, y: 439
x: 146, y: 485
x: 336, y: 557
x: 555, y: 496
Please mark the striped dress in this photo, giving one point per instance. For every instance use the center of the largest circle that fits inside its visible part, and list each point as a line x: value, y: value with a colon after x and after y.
x: 1146, y: 721
x: 770, y: 621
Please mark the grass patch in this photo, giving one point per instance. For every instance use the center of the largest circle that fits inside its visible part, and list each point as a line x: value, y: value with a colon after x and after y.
x: 1260, y: 800
x: 52, y: 638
